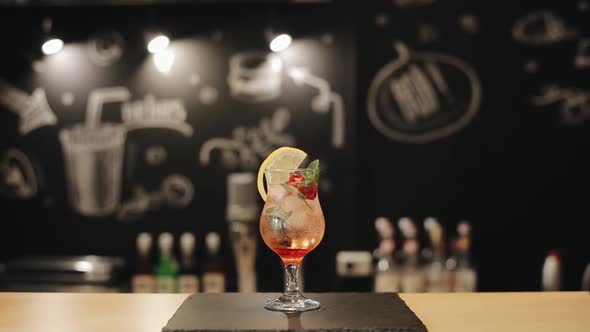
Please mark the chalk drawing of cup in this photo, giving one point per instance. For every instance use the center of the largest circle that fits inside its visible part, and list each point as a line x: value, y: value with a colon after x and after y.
x: 255, y: 76
x: 93, y: 158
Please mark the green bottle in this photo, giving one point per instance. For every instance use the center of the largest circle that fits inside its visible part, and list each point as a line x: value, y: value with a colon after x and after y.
x: 167, y: 268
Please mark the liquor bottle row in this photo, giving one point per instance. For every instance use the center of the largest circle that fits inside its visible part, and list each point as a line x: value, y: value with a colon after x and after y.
x: 432, y: 269
x: 171, y: 276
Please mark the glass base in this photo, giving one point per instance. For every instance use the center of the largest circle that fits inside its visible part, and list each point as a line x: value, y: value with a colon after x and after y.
x: 292, y: 303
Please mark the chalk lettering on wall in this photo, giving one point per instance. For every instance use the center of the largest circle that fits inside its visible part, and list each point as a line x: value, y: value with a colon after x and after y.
x: 540, y: 28
x: 255, y: 76
x: 155, y: 155
x: 248, y: 146
x: 324, y: 102
x: 574, y: 103
x: 150, y: 112
x: 421, y: 97
x: 105, y: 48
x: 17, y: 175
x: 582, y: 58
x: 176, y: 191
x: 33, y: 110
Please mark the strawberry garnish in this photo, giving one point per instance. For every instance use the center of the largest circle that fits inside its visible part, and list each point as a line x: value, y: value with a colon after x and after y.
x: 306, y: 187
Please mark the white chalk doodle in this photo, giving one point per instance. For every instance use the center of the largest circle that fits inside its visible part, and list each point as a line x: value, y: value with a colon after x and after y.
x: 156, y: 113
x: 428, y: 33
x: 17, y: 175
x: 421, y: 97
x: 574, y: 103
x: 33, y: 110
x: 412, y: 3
x: 248, y: 146
x: 542, y: 27
x: 93, y: 160
x: 155, y: 155
x: 208, y: 95
x: 325, y: 101
x: 469, y: 23
x: 67, y: 98
x: 93, y: 152
x: 105, y: 48
x: 98, y: 97
x: 255, y: 76
x: 531, y: 66
x: 176, y: 191
x: 582, y: 58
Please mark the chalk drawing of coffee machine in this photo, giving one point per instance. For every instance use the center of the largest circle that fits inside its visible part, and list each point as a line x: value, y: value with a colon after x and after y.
x: 256, y: 76
x: 421, y: 97
x: 93, y: 151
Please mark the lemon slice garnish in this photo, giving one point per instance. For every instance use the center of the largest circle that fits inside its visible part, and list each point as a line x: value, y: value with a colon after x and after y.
x: 281, y: 158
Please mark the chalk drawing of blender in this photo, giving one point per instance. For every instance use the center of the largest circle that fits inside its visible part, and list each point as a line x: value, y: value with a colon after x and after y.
x: 93, y: 157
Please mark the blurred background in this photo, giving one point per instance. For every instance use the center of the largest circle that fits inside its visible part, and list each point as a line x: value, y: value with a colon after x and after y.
x: 453, y: 139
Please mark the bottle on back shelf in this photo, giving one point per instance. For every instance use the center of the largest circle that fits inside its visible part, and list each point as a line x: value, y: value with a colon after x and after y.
x: 213, y: 276
x: 412, y: 280
x: 551, y: 275
x: 143, y: 280
x: 167, y: 269
x: 438, y: 277
x: 465, y: 275
x: 188, y: 280
x: 387, y: 272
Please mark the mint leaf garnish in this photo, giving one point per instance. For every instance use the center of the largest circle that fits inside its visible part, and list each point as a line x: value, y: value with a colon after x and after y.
x: 277, y: 211
x: 312, y: 173
x: 293, y: 190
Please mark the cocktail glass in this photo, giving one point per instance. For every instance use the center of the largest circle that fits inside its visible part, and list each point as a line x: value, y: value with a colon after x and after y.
x: 291, y: 225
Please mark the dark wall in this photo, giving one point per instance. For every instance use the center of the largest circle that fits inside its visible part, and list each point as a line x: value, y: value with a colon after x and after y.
x: 445, y: 124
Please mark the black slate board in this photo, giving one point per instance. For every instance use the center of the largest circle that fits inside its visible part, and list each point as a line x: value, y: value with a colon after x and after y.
x: 364, y: 312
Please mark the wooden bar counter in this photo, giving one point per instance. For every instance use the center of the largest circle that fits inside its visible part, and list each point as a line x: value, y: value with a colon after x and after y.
x: 518, y: 312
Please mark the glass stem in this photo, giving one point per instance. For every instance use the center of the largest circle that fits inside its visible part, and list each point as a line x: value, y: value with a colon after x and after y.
x: 291, y: 282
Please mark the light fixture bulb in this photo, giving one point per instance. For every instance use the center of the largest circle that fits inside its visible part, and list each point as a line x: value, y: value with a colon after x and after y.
x: 52, y: 46
x: 158, y: 44
x: 280, y: 42
x: 164, y: 60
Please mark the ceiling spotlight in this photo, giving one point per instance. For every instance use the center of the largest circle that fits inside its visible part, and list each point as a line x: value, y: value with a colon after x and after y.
x: 280, y: 42
x: 164, y: 61
x: 158, y: 44
x: 52, y: 46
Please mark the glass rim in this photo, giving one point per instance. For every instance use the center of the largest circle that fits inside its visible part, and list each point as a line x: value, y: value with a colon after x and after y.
x: 301, y: 169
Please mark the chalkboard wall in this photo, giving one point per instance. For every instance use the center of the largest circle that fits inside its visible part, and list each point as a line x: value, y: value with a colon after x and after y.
x: 452, y: 109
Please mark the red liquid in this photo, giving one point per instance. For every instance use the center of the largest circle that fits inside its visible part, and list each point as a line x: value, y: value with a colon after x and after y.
x: 290, y: 256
